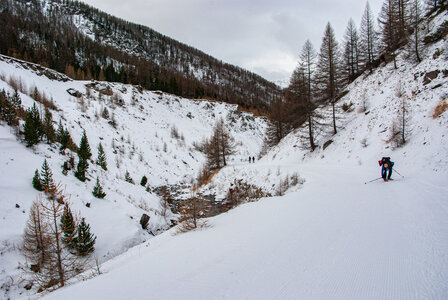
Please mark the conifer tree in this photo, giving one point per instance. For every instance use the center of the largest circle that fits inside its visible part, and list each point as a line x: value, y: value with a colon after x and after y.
x: 98, y: 190
x: 81, y: 169
x: 367, y: 39
x: 416, y: 38
x: 219, y: 147
x: 434, y: 5
x: 65, y: 168
x: 389, y: 20
x: 143, y: 181
x: 16, y: 101
x: 101, y: 159
x: 36, y: 245
x: 64, y: 138
x: 84, y: 148
x: 46, y: 176
x: 191, y: 211
x: 128, y: 178
x: 48, y: 128
x: 351, y: 52
x: 46, y: 233
x: 329, y: 75
x: 32, y: 130
x: 52, y: 211
x: 68, y: 226
x: 10, y: 106
x: 59, y: 132
x: 279, y: 125
x: 300, y: 94
x: 37, y: 184
x: 85, y: 241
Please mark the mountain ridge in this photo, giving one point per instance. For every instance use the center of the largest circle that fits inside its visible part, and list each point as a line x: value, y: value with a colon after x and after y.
x: 93, y: 44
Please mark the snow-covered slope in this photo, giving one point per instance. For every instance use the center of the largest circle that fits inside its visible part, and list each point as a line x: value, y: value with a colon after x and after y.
x: 153, y: 136
x: 336, y: 237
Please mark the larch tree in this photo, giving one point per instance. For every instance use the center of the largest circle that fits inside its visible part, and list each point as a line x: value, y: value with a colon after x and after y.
x: 279, y: 122
x: 351, y: 52
x: 219, y: 147
x: 36, y: 246
x: 52, y: 211
x: 328, y: 71
x: 226, y: 140
x: 434, y: 5
x: 389, y: 20
x: 50, y: 263
x: 191, y: 211
x: 415, y: 44
x: 403, y: 18
x: 300, y: 93
x: 367, y: 39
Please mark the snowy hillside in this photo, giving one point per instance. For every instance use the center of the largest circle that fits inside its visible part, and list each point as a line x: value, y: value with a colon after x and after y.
x: 337, y: 236
x: 147, y: 134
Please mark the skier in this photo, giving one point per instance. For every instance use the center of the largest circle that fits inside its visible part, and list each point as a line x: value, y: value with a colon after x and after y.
x: 250, y: 158
x: 253, y: 159
x: 386, y: 170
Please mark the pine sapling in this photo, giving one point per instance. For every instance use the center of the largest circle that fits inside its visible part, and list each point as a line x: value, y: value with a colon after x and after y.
x: 81, y: 169
x: 47, y: 178
x: 85, y: 240
x: 128, y: 178
x: 143, y: 181
x: 101, y: 159
x: 84, y: 148
x: 37, y: 184
x: 98, y: 190
x: 68, y: 226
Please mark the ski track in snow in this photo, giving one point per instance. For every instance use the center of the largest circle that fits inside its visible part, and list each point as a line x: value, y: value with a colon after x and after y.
x: 337, y: 238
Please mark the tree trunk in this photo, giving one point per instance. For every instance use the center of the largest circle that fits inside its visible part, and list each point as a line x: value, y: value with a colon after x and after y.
x: 334, y: 118
x: 310, y: 132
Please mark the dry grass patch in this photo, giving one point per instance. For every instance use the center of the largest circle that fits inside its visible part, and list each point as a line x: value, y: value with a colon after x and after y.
x: 440, y: 108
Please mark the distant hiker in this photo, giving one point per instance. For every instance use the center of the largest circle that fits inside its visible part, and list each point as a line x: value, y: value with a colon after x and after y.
x: 253, y: 159
x: 250, y: 158
x: 386, y: 170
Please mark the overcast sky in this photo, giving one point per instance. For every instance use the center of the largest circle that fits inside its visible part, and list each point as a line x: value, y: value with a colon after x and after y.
x: 263, y: 36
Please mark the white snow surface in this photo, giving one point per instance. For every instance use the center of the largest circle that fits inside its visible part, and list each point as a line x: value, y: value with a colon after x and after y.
x: 337, y: 236
x: 142, y: 144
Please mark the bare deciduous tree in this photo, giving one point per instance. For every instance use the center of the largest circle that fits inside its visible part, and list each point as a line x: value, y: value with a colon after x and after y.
x: 219, y: 147
x: 368, y: 38
x: 48, y: 261
x: 329, y: 74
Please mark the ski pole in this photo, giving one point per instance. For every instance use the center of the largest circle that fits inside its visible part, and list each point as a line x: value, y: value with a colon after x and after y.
x: 373, y: 180
x: 398, y: 173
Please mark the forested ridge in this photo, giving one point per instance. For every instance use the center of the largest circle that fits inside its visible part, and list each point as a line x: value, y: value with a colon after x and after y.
x: 85, y: 43
x: 321, y: 77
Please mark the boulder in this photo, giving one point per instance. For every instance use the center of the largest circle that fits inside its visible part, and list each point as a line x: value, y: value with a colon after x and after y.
x: 144, y: 220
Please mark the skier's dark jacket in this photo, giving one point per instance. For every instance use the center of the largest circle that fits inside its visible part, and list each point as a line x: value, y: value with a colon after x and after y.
x: 386, y: 167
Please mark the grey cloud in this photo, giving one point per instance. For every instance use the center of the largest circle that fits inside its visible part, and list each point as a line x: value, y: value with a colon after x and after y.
x: 262, y: 36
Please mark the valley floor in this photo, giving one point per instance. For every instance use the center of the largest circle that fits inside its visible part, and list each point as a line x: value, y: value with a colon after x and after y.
x: 337, y: 238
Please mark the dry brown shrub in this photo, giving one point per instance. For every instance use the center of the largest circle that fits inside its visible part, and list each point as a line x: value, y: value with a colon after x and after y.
x: 253, y: 111
x: 440, y: 108
x: 205, y: 177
